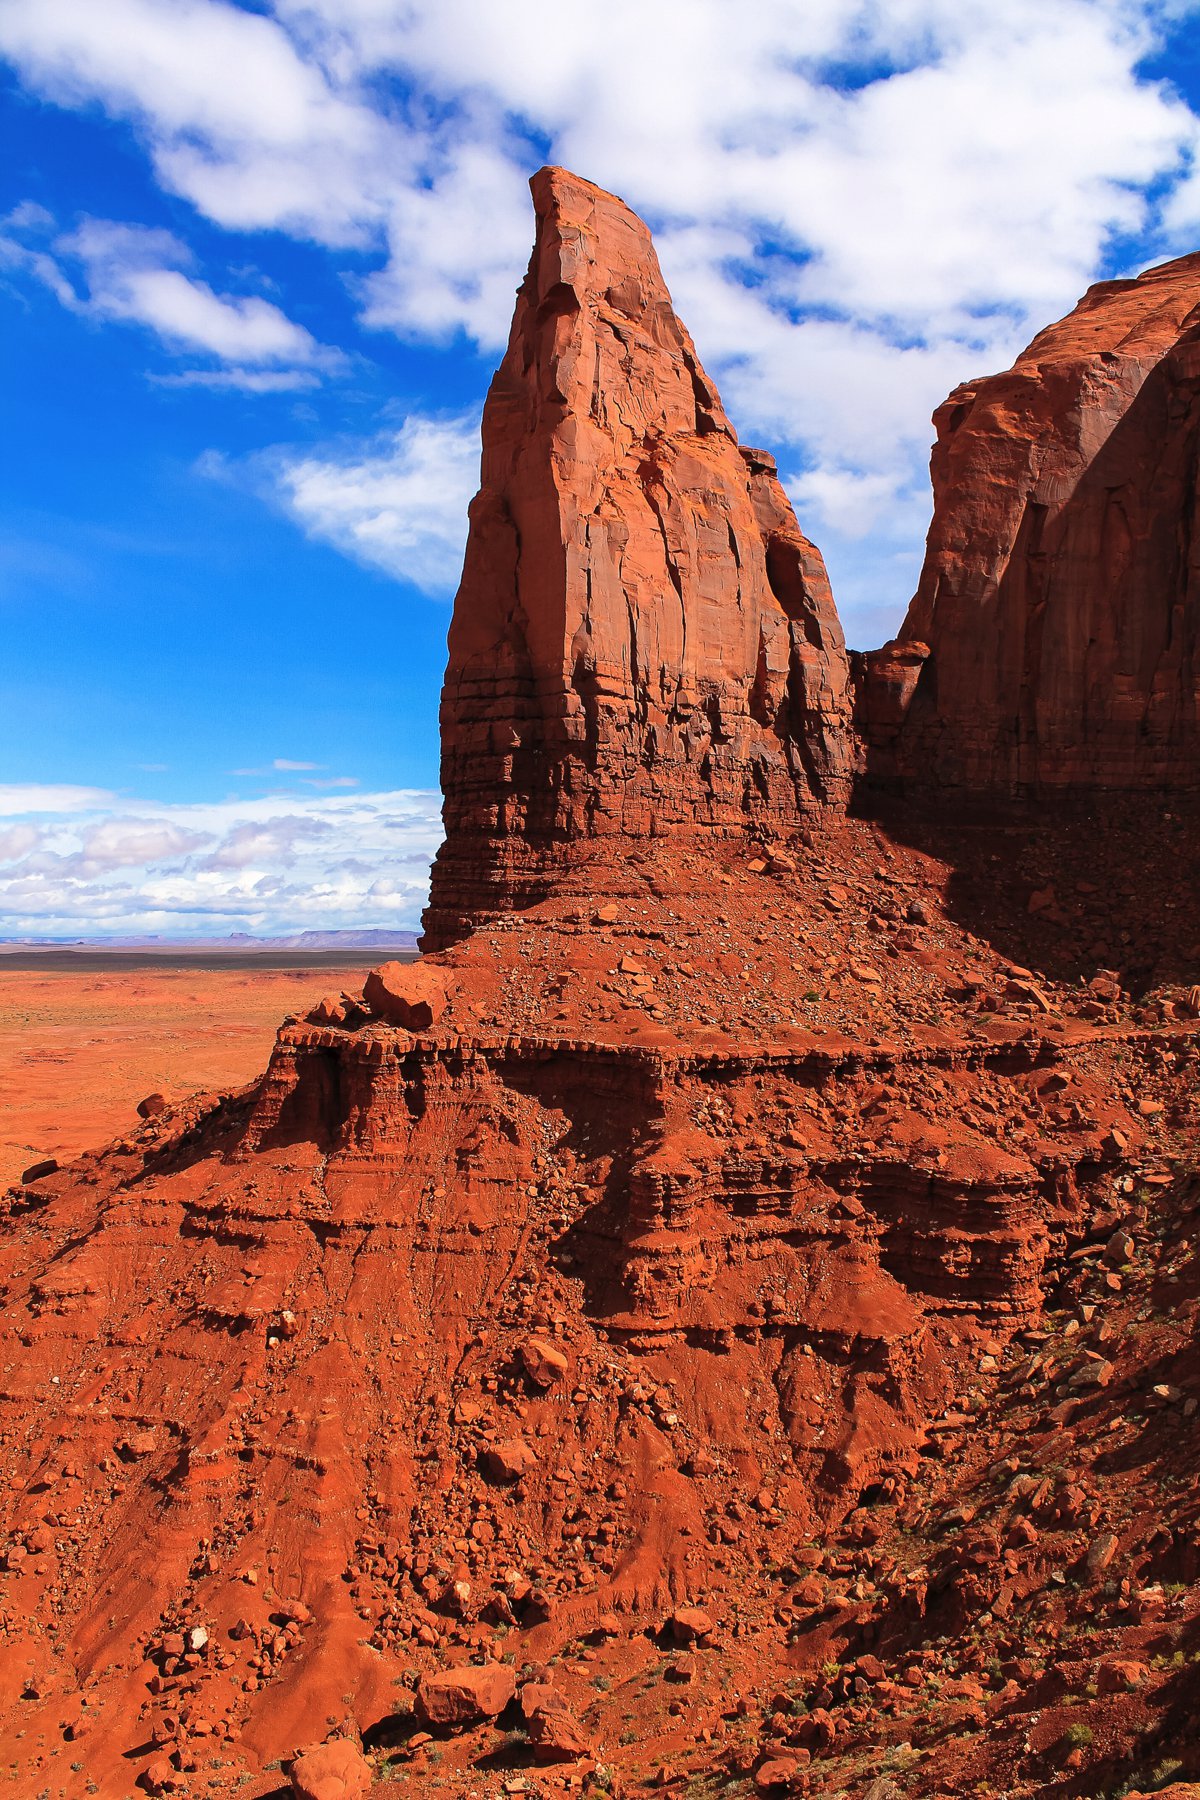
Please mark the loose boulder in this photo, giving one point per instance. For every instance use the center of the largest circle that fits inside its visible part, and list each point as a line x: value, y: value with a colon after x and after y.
x: 507, y: 1461
x: 555, y: 1734
x: 777, y: 1775
x: 543, y: 1363
x: 687, y: 1623
x: 336, y: 1770
x: 412, y: 995
x: 465, y: 1696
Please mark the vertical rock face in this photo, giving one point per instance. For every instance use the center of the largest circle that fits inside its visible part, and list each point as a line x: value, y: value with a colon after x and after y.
x: 1052, y: 642
x: 643, y: 642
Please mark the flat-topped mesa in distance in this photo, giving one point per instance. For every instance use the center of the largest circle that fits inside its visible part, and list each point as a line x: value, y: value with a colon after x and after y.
x: 644, y: 642
x: 1052, y: 643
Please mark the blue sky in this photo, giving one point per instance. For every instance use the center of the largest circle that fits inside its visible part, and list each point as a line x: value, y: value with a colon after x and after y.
x: 257, y: 264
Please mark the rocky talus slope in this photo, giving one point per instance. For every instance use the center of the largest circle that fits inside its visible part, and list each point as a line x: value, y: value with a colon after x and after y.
x: 722, y: 1324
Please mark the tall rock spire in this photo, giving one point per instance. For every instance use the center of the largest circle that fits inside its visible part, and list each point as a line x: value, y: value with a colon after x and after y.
x: 1054, y: 640
x: 644, y: 642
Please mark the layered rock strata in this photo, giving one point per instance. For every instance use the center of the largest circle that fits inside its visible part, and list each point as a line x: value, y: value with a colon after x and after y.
x: 1054, y: 640
x: 644, y: 642
x: 445, y: 1346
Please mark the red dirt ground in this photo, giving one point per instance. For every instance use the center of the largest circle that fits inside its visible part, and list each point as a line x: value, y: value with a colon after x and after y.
x: 759, y: 1311
x: 80, y: 1048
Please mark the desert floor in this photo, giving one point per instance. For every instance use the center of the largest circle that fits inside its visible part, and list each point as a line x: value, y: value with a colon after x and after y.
x: 80, y: 1047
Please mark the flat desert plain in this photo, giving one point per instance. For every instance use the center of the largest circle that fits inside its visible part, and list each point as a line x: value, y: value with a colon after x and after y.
x: 80, y: 1045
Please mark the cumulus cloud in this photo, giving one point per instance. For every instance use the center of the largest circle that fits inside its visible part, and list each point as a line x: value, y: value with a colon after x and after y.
x: 81, y: 862
x: 457, y: 243
x: 266, y: 843
x: 396, y: 503
x: 137, y: 275
x: 126, y: 843
x: 857, y: 205
x: 18, y: 840
x: 235, y: 118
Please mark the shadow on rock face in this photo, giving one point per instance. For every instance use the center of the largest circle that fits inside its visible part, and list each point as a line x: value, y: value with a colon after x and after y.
x: 1066, y: 885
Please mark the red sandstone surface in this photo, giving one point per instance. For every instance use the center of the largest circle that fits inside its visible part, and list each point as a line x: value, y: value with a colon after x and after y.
x: 1060, y: 591
x: 724, y: 1323
x: 644, y: 642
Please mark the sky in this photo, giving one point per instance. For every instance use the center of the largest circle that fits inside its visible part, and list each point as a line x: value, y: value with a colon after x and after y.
x: 257, y: 264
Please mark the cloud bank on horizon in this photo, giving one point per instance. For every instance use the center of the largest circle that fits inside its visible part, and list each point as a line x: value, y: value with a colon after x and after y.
x: 81, y: 861
x: 857, y: 204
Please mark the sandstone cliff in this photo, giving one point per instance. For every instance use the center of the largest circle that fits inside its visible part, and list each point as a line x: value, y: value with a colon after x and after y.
x: 644, y: 642
x: 1053, y: 639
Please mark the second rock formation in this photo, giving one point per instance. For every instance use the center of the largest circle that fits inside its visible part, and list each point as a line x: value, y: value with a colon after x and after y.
x: 1054, y: 640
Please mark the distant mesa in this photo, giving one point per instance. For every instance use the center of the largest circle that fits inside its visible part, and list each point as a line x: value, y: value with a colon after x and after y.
x: 349, y: 939
x: 240, y: 941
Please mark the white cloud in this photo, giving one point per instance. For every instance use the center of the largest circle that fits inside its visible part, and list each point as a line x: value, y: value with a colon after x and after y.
x: 124, y: 843
x: 190, y: 313
x: 457, y: 245
x: 18, y: 840
x: 20, y: 798
x: 235, y: 119
x: 857, y: 204
x: 279, y: 765
x: 848, y: 500
x: 243, y: 381
x: 29, y: 216
x: 19, y: 255
x: 137, y: 275
x: 269, y: 843
x: 85, y: 862
x: 398, y: 503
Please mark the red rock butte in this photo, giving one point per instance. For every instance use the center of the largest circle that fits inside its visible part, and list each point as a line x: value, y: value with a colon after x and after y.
x: 725, y: 1320
x: 1054, y: 640
x: 644, y: 643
